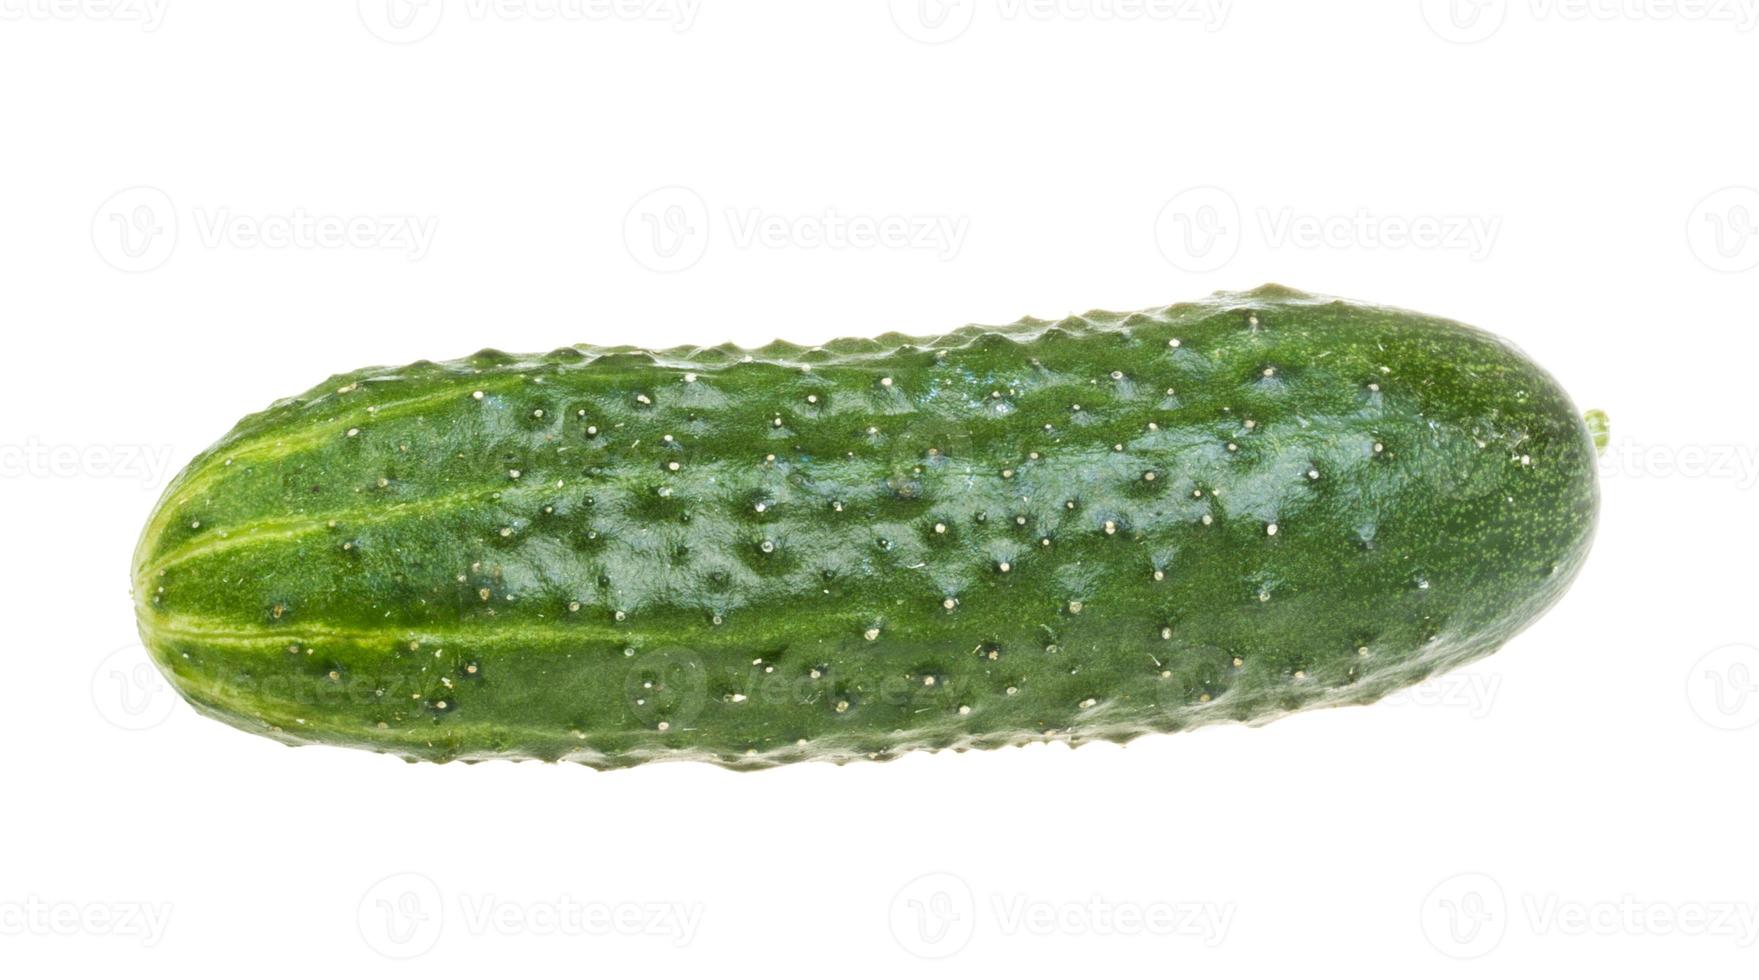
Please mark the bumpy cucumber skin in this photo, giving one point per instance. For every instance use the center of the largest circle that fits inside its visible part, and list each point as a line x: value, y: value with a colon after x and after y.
x: 1095, y: 528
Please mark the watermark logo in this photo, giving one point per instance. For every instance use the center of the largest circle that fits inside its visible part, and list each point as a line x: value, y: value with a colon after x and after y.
x: 401, y: 21
x: 135, y: 230
x: 149, y: 14
x: 1199, y: 229
x: 144, y: 922
x: 932, y: 450
x: 129, y: 691
x: 1723, y: 687
x: 1465, y: 916
x: 666, y: 688
x: 1465, y: 21
x: 669, y: 229
x: 401, y: 915
x: 1187, y: 669
x: 933, y: 21
x: 934, y: 916
x: 1724, y: 230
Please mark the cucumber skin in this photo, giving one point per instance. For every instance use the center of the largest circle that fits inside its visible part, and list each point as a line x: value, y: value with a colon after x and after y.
x: 396, y: 562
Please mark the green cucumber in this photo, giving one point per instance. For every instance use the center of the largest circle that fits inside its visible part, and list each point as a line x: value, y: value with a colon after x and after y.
x: 1092, y: 528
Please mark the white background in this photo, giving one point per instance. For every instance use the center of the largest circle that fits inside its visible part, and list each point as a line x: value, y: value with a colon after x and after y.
x: 208, y: 205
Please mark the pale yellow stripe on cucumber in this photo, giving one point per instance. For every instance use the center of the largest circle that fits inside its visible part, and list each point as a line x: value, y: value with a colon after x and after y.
x: 308, y: 436
x: 226, y: 539
x: 199, y: 629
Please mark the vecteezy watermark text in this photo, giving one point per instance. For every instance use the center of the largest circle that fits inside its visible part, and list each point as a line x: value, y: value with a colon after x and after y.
x: 1470, y: 21
x: 1466, y: 916
x: 222, y: 227
x: 34, y: 915
x: 34, y: 459
x: 149, y: 14
x: 137, y: 230
x: 408, y: 21
x: 669, y: 229
x: 939, y: 21
x: 1201, y: 229
x: 402, y: 916
x: 934, y: 916
x: 1730, y: 463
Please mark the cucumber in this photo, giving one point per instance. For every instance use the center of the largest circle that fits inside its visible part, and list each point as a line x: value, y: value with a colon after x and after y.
x: 1093, y: 528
